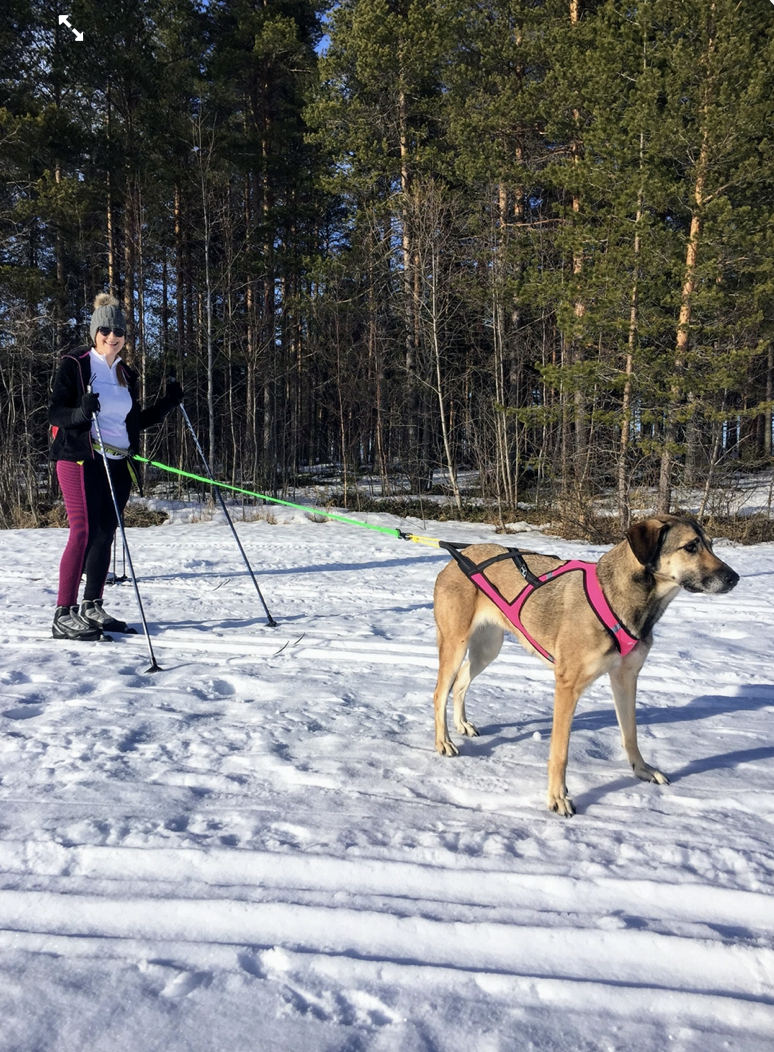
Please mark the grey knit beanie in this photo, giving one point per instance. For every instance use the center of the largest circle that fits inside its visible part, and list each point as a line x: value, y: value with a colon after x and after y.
x: 106, y: 312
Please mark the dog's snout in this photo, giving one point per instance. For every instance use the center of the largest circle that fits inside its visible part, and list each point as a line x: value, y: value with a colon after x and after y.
x: 722, y: 580
x: 730, y: 578
x: 716, y: 581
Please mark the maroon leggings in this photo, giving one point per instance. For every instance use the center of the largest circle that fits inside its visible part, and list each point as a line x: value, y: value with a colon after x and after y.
x: 93, y: 523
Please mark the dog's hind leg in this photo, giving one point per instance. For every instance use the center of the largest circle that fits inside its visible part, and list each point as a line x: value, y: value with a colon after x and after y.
x: 451, y: 652
x: 483, y: 648
x: 624, y: 683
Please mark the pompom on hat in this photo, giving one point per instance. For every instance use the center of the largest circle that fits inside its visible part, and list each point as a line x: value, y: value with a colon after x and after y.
x: 108, y: 313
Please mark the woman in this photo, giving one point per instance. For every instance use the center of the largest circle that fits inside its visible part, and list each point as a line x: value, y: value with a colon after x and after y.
x: 88, y: 382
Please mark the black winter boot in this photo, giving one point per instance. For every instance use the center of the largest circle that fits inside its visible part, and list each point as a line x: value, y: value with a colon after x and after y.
x: 92, y: 613
x: 68, y: 625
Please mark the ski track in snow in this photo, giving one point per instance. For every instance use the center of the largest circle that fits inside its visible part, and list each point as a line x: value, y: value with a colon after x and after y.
x: 259, y: 848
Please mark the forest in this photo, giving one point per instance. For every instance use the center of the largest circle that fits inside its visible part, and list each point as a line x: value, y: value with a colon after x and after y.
x: 504, y: 251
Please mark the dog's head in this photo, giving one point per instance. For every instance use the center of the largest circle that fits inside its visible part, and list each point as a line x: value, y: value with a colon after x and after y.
x: 674, y: 548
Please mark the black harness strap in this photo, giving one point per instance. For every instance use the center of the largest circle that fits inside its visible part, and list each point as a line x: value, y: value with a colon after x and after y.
x: 468, y: 567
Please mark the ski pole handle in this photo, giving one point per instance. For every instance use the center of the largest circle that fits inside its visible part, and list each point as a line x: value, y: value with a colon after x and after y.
x: 90, y: 403
x: 174, y: 390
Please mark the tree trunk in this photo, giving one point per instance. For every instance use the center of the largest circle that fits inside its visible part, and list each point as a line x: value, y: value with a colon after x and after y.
x: 576, y: 354
x: 451, y: 466
x: 129, y: 259
x: 677, y: 392
x: 409, y: 299
x: 683, y: 326
x: 767, y: 416
x: 624, y: 509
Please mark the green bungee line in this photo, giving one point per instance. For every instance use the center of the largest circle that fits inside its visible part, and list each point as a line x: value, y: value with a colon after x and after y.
x: 275, y: 500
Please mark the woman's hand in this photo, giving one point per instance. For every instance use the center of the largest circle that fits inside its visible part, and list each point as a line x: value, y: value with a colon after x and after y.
x: 174, y: 391
x: 88, y: 407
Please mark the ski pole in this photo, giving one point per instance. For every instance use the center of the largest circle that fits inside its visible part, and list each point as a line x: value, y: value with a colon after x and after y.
x: 269, y: 619
x: 116, y: 579
x: 154, y: 665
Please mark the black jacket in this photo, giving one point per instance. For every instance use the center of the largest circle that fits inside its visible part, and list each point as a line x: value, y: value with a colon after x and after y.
x: 72, y: 438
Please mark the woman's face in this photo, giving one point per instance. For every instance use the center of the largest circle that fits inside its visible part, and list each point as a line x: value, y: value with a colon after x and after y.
x: 109, y: 346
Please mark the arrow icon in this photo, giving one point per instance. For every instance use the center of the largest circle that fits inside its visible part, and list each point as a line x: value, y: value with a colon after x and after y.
x: 64, y: 21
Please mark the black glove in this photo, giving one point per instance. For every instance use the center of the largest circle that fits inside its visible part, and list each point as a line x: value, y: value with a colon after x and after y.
x: 88, y: 407
x: 174, y: 391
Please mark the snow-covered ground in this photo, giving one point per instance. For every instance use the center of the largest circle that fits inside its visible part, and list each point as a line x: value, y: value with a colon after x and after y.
x: 258, y: 848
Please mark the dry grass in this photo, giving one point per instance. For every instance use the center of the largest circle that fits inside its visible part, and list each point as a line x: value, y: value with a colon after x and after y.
x: 138, y: 515
x: 563, y: 521
x: 55, y: 517
x: 747, y: 529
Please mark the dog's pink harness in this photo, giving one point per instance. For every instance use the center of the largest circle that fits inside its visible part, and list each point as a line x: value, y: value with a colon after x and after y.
x: 624, y: 640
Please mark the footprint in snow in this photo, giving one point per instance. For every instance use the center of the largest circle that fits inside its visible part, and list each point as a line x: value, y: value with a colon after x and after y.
x: 25, y: 712
x: 348, y: 1008
x: 185, y: 983
x: 14, y: 677
x: 370, y: 1010
x: 251, y: 965
x: 306, y: 1004
x: 178, y: 982
x: 213, y: 688
x: 222, y: 687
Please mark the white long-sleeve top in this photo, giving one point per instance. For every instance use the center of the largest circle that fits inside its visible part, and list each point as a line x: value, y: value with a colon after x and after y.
x: 115, y: 402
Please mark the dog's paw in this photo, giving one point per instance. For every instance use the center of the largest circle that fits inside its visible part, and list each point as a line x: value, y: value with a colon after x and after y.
x: 562, y: 805
x: 649, y: 774
x: 468, y: 729
x: 447, y: 748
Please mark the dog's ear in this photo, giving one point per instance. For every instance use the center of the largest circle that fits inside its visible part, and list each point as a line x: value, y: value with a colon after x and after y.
x: 646, y: 538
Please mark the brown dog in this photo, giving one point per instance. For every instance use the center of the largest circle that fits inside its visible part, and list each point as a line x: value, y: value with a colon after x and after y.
x: 639, y: 578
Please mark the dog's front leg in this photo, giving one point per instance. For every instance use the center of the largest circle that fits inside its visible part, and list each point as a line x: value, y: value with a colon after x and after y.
x: 565, y: 699
x: 623, y: 680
